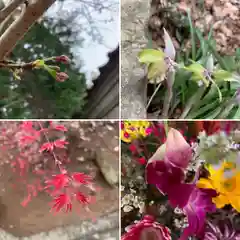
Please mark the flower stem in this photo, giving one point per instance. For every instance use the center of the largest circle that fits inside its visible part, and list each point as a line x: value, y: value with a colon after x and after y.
x: 166, y: 127
x: 169, y: 94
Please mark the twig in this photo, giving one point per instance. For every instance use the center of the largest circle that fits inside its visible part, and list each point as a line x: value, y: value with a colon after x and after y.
x: 153, y: 95
x: 13, y: 65
x: 17, y: 65
x: 57, y: 162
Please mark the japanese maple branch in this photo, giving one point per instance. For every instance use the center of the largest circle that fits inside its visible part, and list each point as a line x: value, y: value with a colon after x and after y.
x: 21, y: 25
x: 53, y: 153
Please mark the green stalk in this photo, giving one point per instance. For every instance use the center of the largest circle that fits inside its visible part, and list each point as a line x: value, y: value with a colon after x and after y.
x: 168, y: 94
x: 166, y: 128
x: 193, y: 43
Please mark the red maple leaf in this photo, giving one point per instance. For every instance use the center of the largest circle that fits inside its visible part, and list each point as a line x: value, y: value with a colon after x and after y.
x: 27, y: 125
x: 62, y: 201
x: 58, y: 181
x: 60, y: 143
x: 82, y: 178
x: 61, y: 128
x: 82, y: 198
x: 27, y: 139
x: 46, y: 147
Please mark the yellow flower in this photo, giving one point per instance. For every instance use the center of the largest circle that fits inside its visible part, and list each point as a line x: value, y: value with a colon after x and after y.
x: 131, y: 130
x: 226, y: 181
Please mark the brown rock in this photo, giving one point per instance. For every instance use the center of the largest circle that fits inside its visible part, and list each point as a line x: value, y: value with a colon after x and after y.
x: 109, y: 165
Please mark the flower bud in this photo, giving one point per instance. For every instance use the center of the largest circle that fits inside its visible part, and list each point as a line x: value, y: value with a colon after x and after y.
x: 178, y: 151
x: 63, y: 59
x: 61, y: 77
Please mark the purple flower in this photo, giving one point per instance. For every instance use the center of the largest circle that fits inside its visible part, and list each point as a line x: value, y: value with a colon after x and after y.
x: 199, y: 204
x: 222, y: 230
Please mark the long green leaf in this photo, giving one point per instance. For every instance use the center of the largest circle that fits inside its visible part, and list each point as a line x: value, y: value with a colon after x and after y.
x: 193, y: 42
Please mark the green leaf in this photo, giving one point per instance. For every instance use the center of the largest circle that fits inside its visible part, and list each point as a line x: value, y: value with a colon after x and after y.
x: 237, y: 54
x: 198, y: 72
x: 196, y: 78
x: 204, y: 109
x: 230, y: 62
x: 220, y: 60
x: 237, y: 114
x: 203, y: 49
x: 192, y: 31
x: 150, y: 56
x: 218, y: 89
x: 196, y: 68
x: 51, y: 71
x: 214, y: 113
x: 210, y: 63
x: 222, y: 74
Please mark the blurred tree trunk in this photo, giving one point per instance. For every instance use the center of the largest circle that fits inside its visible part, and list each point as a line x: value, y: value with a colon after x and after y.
x: 21, y: 25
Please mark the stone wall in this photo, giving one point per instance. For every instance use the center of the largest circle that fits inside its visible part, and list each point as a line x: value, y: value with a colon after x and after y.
x: 134, y: 15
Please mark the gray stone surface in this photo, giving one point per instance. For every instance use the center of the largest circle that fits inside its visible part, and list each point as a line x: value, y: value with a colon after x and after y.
x: 105, y: 228
x: 112, y: 234
x: 134, y: 14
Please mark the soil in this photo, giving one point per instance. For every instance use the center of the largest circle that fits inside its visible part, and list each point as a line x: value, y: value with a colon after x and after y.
x: 36, y: 216
x: 222, y: 15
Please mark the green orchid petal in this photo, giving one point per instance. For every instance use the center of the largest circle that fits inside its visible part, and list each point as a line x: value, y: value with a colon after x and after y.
x: 150, y: 56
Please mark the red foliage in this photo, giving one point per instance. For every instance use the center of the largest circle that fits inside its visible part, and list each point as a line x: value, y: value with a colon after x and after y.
x: 30, y: 140
x: 62, y: 201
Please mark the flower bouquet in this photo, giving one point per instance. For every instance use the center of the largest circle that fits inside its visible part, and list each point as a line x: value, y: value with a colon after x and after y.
x: 180, y: 180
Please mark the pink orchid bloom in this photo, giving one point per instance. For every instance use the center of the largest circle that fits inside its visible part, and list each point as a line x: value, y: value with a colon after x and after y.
x: 178, y: 151
x: 165, y: 168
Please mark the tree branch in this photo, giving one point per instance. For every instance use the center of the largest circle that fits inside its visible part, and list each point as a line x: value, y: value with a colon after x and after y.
x: 17, y: 65
x: 6, y: 11
x: 21, y: 25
